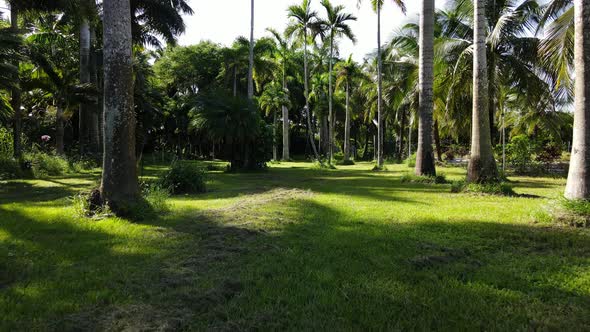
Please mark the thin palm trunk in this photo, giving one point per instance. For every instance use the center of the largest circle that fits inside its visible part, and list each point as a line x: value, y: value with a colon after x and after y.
x: 285, y: 122
x: 482, y: 165
x: 84, y: 79
x: 119, y: 185
x: 251, y: 56
x: 275, y: 153
x: 306, y: 88
x: 59, y: 130
x: 347, y: 127
x: 330, y: 111
x: 578, y: 180
x: 379, y: 156
x: 15, y: 94
x: 400, y: 136
x: 235, y: 81
x: 424, y: 155
x: 93, y: 114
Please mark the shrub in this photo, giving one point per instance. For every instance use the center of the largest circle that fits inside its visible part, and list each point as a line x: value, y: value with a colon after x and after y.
x: 519, y: 153
x: 322, y: 166
x: 563, y: 211
x: 412, y: 178
x: 497, y: 188
x: 411, y: 161
x: 156, y: 196
x: 348, y: 162
x: 83, y: 164
x: 6, y: 143
x: 184, y: 178
x: 9, y: 168
x: 43, y: 164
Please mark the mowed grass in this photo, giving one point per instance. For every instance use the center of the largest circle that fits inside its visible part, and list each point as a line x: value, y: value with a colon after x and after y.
x: 294, y: 248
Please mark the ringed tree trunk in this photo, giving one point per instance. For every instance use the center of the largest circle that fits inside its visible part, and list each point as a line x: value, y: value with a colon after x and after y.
x: 15, y: 94
x: 306, y: 92
x: 347, y: 127
x: 119, y: 187
x: 285, y: 123
x: 275, y: 152
x: 84, y: 110
x: 482, y: 165
x: 424, y: 155
x: 251, y: 55
x: 93, y: 123
x: 379, y: 156
x: 437, y: 142
x: 330, y: 111
x: 578, y: 180
x: 59, y: 131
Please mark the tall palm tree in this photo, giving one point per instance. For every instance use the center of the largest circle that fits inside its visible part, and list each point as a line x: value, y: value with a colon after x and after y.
x: 424, y: 154
x: 283, y: 52
x: 302, y: 23
x: 578, y: 180
x: 377, y: 5
x: 119, y: 186
x: 273, y: 98
x: 482, y: 165
x: 251, y: 54
x: 335, y: 25
x: 347, y: 71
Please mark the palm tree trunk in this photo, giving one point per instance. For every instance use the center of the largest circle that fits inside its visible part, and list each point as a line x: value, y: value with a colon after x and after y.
x: 251, y: 56
x: 492, y: 96
x: 379, y: 92
x: 306, y: 88
x: 15, y: 101
x: 400, y: 136
x: 84, y: 79
x: 235, y: 81
x: 285, y: 123
x: 119, y: 185
x: 437, y: 142
x: 482, y: 165
x: 59, y: 130
x: 347, y: 127
x: 330, y: 114
x: 93, y: 114
x: 578, y: 180
x: 424, y: 155
x: 275, y: 153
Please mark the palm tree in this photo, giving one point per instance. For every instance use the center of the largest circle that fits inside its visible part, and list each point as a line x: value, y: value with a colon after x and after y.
x: 335, y: 25
x: 578, y: 180
x: 283, y: 52
x: 424, y: 154
x: 302, y: 22
x: 377, y: 5
x: 347, y: 71
x: 482, y: 165
x: 119, y: 185
x: 273, y: 98
x: 251, y: 54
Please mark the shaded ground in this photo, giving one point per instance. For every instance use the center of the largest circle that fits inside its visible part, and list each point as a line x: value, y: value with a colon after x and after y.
x: 294, y: 248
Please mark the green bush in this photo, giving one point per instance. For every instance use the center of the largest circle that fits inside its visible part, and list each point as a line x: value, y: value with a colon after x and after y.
x: 348, y: 162
x: 411, y: 160
x: 156, y: 196
x: 497, y: 188
x: 9, y: 168
x: 6, y: 143
x: 520, y: 153
x: 184, y: 178
x: 563, y: 211
x: 412, y: 178
x: 43, y: 164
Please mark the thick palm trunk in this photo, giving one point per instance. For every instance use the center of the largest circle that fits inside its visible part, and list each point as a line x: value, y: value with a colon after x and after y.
x: 84, y: 110
x: 578, y: 180
x: 379, y: 156
x: 119, y: 186
x: 347, y: 127
x: 59, y: 131
x: 306, y: 92
x: 492, y: 97
x: 285, y: 124
x: 424, y: 155
x: 330, y: 111
x: 15, y: 94
x: 482, y: 165
x: 251, y: 55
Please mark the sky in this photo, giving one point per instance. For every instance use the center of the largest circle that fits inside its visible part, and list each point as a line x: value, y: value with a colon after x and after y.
x: 221, y: 21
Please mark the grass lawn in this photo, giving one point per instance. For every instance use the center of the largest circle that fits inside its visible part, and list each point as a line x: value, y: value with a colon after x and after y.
x: 294, y: 248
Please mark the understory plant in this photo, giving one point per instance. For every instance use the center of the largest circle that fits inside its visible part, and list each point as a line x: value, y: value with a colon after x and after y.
x: 184, y: 178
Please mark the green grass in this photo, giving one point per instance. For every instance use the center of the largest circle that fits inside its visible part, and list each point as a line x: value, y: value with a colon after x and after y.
x: 294, y: 248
